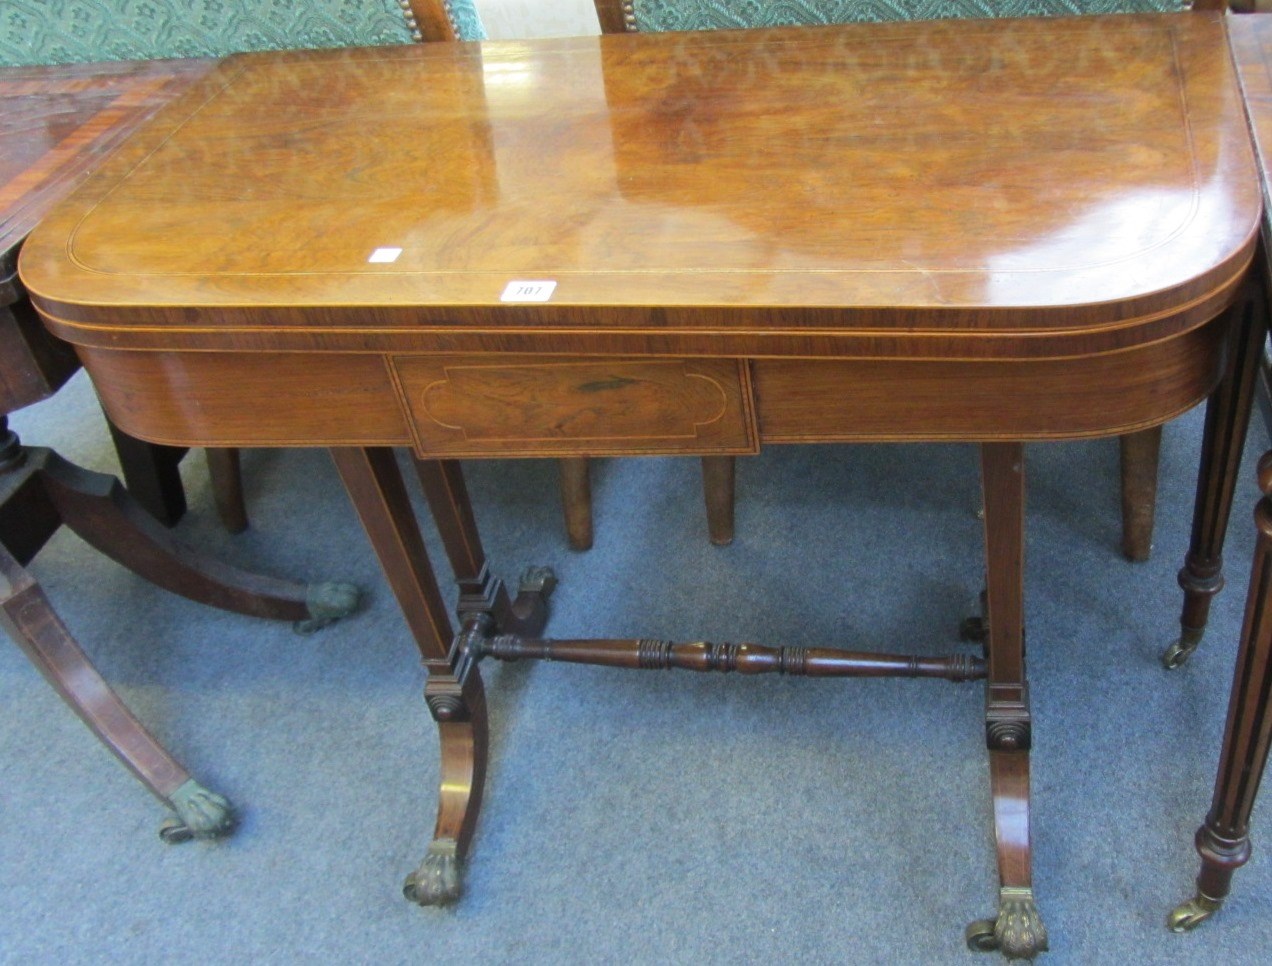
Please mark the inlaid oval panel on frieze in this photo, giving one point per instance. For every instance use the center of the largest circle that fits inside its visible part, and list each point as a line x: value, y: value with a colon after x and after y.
x: 532, y: 405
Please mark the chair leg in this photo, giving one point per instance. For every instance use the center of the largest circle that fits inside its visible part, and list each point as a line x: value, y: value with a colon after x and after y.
x: 1140, y: 453
x: 227, y: 488
x: 576, y: 498
x: 717, y: 489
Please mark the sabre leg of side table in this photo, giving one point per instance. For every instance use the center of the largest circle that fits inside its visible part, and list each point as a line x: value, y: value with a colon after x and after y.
x: 1223, y: 840
x: 1227, y: 419
x: 454, y: 691
x: 40, y: 492
x: 1017, y: 931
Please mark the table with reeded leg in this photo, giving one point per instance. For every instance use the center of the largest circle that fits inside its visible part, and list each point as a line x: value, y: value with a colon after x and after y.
x: 683, y: 244
x: 1223, y: 840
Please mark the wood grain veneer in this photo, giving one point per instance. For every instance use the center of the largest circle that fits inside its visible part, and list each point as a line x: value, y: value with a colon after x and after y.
x: 1060, y: 210
x: 687, y: 185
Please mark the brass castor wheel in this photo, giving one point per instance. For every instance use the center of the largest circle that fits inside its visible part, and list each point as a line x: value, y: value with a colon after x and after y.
x: 1178, y: 653
x: 980, y: 936
x: 1193, y: 913
x: 327, y: 603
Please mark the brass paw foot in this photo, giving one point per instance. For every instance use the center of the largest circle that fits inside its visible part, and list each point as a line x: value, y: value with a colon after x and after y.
x: 327, y: 603
x: 437, y: 882
x: 201, y: 814
x: 1017, y: 933
x: 538, y: 580
x: 1179, y: 652
x: 1192, y: 913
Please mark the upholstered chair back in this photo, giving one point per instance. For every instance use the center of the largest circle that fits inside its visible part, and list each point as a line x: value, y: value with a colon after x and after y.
x: 34, y: 32
x: 617, y: 16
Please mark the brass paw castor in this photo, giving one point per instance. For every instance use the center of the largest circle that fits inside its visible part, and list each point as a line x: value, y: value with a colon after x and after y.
x: 437, y: 882
x: 327, y: 603
x: 1017, y: 933
x: 201, y: 814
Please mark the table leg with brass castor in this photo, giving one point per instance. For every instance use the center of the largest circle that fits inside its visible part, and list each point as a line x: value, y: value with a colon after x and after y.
x: 454, y: 692
x: 1017, y: 930
x: 41, y: 492
x: 1227, y: 418
x: 1223, y: 841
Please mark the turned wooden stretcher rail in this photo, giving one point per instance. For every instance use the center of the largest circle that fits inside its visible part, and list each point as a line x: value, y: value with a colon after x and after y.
x: 683, y: 244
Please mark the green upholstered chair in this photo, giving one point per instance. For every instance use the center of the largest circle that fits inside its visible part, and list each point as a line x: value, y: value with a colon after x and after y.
x: 1139, y: 451
x: 38, y: 32
x: 648, y: 15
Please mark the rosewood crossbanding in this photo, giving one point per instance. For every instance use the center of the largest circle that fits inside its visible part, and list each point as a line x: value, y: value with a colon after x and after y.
x: 748, y: 243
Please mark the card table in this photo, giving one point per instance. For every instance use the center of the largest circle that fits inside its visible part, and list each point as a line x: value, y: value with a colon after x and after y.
x: 1223, y: 840
x: 993, y: 232
x: 56, y: 125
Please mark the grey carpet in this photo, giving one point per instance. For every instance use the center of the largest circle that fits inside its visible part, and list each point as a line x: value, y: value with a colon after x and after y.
x: 639, y: 817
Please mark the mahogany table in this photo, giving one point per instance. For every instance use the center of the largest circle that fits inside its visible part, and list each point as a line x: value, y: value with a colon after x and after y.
x: 658, y: 244
x: 56, y: 125
x: 1223, y: 840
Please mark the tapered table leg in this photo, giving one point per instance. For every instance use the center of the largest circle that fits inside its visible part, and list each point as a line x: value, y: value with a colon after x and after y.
x: 576, y: 501
x: 1017, y: 931
x: 454, y: 691
x: 1227, y: 418
x: 717, y: 489
x: 1140, y: 454
x: 227, y: 488
x: 479, y: 590
x: 1223, y: 841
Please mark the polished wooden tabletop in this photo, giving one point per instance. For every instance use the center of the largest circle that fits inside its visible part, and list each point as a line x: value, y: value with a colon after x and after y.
x: 1066, y: 185
x: 1251, y: 39
x: 56, y: 123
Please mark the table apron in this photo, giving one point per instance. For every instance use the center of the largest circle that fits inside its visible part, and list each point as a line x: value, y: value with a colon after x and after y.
x: 472, y: 406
